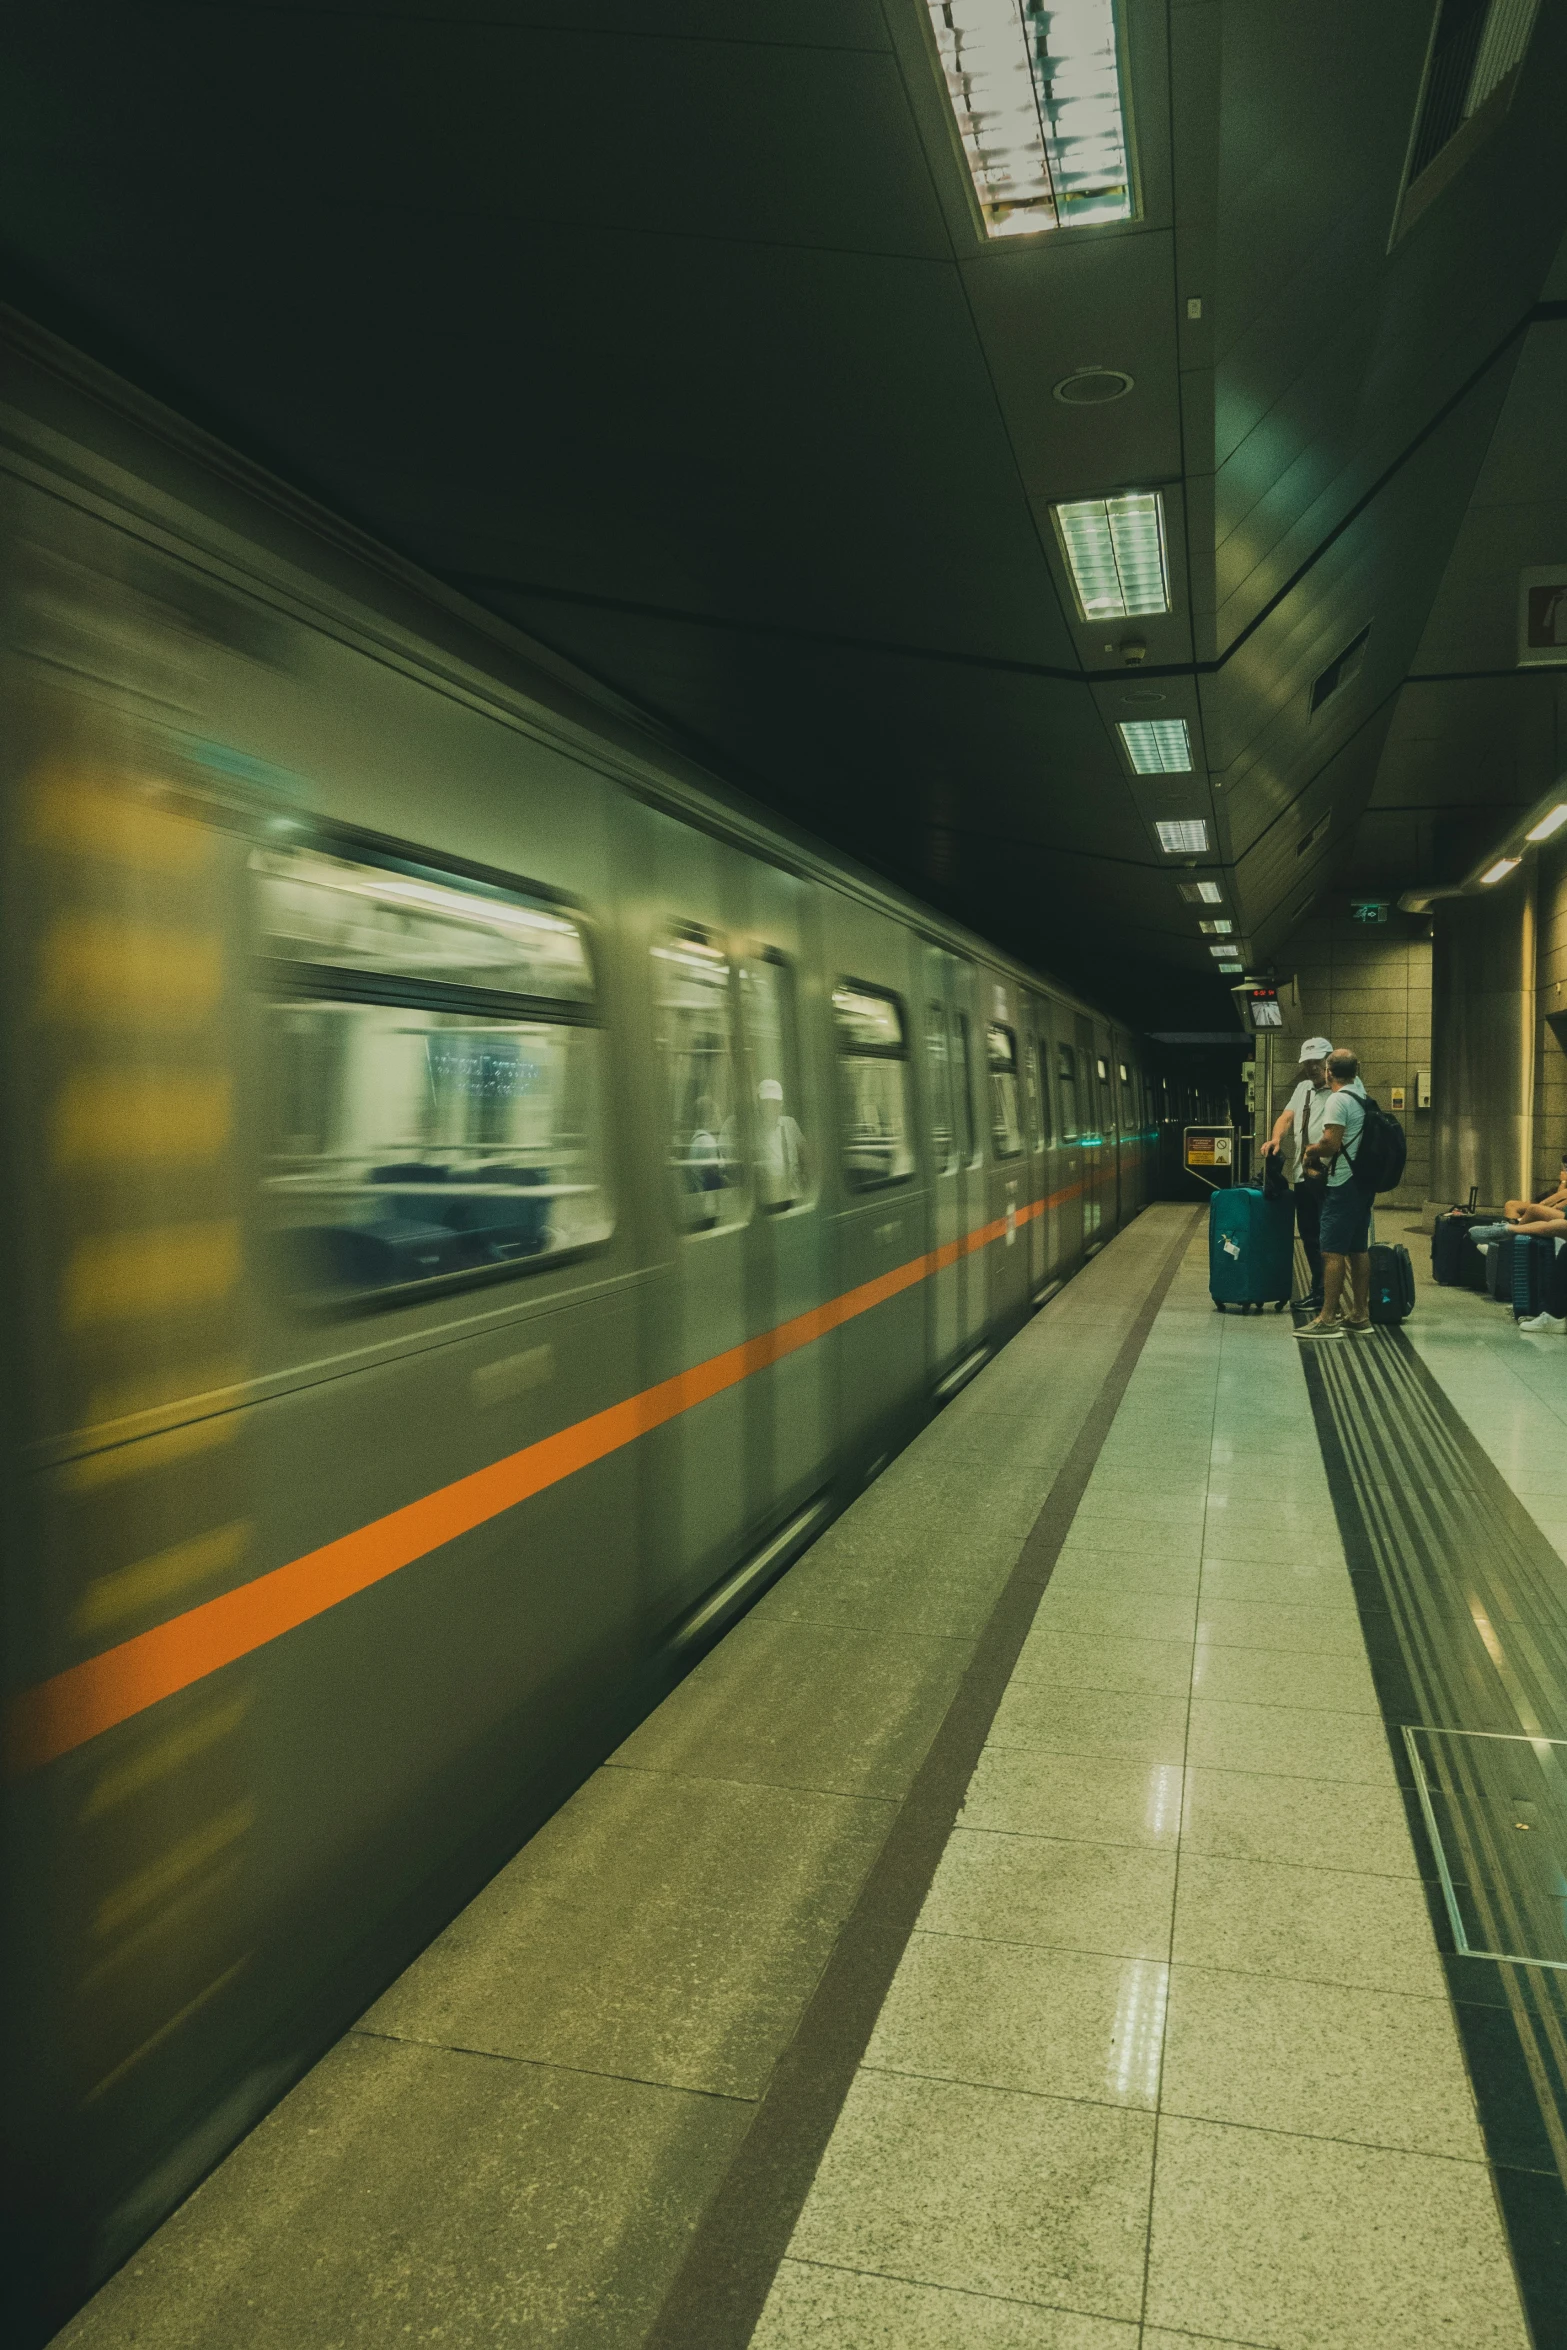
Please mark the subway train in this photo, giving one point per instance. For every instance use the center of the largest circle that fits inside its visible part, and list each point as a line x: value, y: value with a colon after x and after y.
x: 479, y: 1197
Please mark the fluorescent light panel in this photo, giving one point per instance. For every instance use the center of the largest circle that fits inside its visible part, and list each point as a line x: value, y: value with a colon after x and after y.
x: 1183, y: 836
x: 1549, y: 824
x: 1223, y: 952
x: 1500, y: 870
x: 1202, y: 893
x: 1157, y: 746
x: 1037, y: 100
x: 1232, y: 966
x: 1216, y: 929
x: 1115, y: 552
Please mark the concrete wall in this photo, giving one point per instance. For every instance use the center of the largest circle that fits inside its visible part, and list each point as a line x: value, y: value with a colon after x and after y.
x: 1368, y: 986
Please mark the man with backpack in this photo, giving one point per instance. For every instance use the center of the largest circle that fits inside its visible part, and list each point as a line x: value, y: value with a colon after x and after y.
x: 1347, y: 1203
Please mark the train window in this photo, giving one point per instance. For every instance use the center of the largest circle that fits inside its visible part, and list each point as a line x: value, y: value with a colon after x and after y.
x: 434, y: 1075
x: 938, y: 1065
x: 1001, y: 1056
x: 874, y: 1073
x: 963, y: 1087
x: 694, y: 1010
x: 1047, y: 1133
x: 1102, y: 1069
x: 1066, y: 1078
x: 1125, y: 1080
x: 772, y: 1049
x: 1036, y: 1122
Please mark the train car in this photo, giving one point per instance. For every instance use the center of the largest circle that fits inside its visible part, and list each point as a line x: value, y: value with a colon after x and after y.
x: 478, y: 1198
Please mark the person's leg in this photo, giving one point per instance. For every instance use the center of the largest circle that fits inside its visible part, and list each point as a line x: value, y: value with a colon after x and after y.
x: 1360, y: 1288
x: 1334, y: 1268
x: 1308, y: 1221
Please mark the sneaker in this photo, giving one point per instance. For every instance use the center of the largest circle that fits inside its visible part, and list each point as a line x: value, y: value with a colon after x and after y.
x: 1320, y: 1330
x: 1358, y: 1327
x: 1555, y: 1322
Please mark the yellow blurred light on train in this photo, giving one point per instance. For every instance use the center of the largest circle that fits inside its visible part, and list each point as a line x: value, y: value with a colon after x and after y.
x: 113, y: 1276
x: 107, y: 1119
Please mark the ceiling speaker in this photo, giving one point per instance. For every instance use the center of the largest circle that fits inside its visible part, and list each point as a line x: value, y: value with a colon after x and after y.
x: 1093, y: 387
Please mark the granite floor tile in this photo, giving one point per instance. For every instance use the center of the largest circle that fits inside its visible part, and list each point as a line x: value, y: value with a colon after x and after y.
x: 1014, y: 2015
x: 1032, y: 2198
x: 774, y: 1704
x: 1311, y: 2245
x: 1319, y: 1925
x: 815, y: 2308
x: 1320, y: 2060
x: 1081, y: 1572
x: 1302, y: 1629
x: 1077, y: 1661
x: 411, y: 2193
x: 1139, y: 1615
x: 1076, y: 1797
x: 1304, y: 1580
x: 669, y: 1932
x: 1289, y: 1742
x: 1307, y: 1823
x: 1050, y: 1718
x: 1114, y: 1898
x: 1270, y: 1676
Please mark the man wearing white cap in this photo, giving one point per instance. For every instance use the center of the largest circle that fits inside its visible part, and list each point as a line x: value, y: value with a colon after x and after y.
x: 1301, y: 1120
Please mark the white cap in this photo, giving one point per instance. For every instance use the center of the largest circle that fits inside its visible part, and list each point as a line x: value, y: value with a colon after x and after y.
x: 1316, y: 1048
x: 769, y: 1090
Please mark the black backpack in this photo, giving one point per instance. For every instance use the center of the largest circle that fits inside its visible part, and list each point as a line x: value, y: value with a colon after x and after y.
x: 1377, y: 1161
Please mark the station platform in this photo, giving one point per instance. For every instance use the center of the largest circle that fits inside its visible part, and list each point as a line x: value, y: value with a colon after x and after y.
x: 1107, y: 1895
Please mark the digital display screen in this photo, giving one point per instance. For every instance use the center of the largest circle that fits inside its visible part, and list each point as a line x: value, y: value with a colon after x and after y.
x: 1265, y: 1012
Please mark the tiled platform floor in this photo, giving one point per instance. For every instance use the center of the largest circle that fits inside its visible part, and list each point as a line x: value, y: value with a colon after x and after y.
x: 1170, y: 2056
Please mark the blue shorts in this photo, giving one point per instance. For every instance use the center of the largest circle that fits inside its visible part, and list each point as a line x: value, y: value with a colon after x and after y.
x: 1346, y: 1220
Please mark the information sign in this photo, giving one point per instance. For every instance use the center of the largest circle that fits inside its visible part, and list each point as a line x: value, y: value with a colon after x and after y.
x: 1208, y: 1152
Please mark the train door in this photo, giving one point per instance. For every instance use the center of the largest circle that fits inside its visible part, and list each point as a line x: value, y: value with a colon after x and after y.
x: 966, y: 1083
x: 874, y: 988
x: 788, y: 1137
x: 1005, y: 1258
x: 1034, y: 1045
x: 700, y: 1474
x: 1091, y: 1109
x: 1074, y: 1156
x: 945, y: 1312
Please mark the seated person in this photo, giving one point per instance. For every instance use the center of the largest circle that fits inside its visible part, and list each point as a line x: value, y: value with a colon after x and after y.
x: 1551, y: 1228
x: 1529, y: 1215
x: 1552, y: 1203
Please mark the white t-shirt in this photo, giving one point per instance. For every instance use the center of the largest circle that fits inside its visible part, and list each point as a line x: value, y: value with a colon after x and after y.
x: 1348, y: 1112
x: 1307, y: 1106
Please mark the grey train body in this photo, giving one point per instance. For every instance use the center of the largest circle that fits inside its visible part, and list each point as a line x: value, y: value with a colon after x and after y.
x: 478, y: 1198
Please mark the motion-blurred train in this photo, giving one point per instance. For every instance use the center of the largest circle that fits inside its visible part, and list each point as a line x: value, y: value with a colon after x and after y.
x: 477, y: 1199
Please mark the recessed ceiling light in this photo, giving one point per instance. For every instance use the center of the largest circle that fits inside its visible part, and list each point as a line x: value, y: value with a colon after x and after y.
x: 1231, y: 966
x: 1223, y: 953
x: 1549, y: 824
x: 1114, y: 549
x: 1157, y: 746
x: 1500, y: 870
x: 1201, y: 893
x: 1183, y: 836
x: 1092, y: 387
x: 1216, y: 929
x: 1037, y: 100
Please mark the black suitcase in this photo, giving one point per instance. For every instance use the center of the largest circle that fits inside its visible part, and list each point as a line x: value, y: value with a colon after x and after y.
x: 1455, y: 1261
x: 1499, y: 1269
x: 1392, y: 1283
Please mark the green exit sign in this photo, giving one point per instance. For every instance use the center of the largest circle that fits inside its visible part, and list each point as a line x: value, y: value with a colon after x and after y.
x: 1368, y: 909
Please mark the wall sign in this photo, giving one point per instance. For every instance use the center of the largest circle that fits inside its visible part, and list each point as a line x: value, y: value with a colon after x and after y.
x: 1542, y: 617
x: 1368, y: 909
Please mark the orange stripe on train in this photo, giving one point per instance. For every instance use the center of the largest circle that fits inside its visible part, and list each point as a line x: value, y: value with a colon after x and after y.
x: 64, y: 1712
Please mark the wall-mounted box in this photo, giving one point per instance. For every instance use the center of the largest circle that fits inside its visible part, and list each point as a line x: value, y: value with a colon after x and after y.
x: 1422, y: 1089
